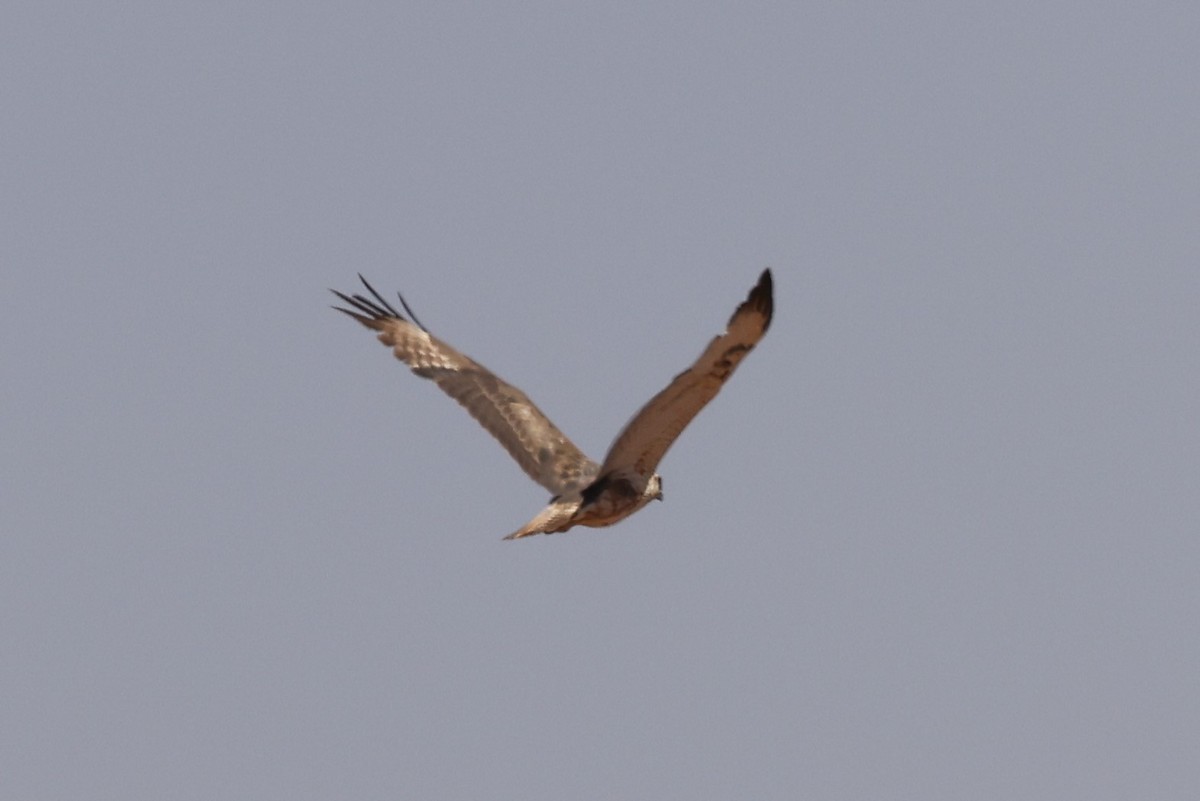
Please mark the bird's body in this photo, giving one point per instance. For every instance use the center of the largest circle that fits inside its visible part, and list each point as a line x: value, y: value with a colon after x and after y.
x: 603, y: 502
x: 585, y: 493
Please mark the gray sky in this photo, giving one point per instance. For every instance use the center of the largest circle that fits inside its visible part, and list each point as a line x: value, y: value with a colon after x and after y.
x: 937, y: 539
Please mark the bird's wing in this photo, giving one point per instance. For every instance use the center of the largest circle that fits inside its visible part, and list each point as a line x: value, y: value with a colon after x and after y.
x: 542, y: 451
x: 646, y: 438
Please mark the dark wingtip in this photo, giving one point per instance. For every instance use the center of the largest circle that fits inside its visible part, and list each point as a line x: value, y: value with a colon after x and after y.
x: 411, y: 313
x: 762, y: 298
x: 379, y: 298
x: 376, y: 309
x: 364, y: 320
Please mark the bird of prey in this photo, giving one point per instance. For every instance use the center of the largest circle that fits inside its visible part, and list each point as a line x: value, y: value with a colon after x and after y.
x: 585, y: 493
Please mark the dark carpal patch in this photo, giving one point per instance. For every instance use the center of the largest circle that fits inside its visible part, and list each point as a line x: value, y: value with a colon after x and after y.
x: 620, y: 486
x: 592, y: 491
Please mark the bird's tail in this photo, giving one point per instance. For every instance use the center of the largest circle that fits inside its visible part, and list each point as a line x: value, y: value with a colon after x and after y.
x: 554, y: 518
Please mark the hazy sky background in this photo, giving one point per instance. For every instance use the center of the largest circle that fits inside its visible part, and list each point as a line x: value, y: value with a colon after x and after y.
x: 938, y: 539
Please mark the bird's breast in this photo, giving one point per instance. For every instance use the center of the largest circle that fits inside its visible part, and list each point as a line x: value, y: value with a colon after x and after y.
x: 608, y: 501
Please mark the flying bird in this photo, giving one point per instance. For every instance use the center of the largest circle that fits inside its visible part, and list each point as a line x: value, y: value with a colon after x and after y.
x: 584, y: 493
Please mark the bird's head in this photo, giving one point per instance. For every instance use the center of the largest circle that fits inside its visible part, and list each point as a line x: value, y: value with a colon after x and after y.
x: 654, y: 487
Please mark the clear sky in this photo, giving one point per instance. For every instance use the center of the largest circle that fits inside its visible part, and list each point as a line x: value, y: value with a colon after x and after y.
x: 937, y: 539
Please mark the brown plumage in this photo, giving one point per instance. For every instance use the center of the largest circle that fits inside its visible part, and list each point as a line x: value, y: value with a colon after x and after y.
x: 585, y: 493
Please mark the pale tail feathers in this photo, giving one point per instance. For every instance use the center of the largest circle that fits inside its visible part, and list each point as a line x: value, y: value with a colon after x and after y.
x: 554, y: 518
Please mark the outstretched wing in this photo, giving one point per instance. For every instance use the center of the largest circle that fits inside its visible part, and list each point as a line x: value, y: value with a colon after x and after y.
x: 542, y: 451
x: 646, y: 438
